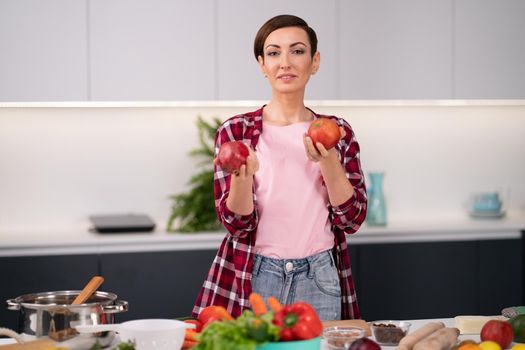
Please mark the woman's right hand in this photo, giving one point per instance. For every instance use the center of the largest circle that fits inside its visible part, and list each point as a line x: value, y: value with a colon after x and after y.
x: 240, y: 198
x: 250, y: 168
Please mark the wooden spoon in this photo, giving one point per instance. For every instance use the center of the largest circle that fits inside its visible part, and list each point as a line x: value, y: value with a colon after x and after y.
x: 88, y: 290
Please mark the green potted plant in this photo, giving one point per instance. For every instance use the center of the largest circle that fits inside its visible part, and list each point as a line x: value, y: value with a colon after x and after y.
x: 194, y: 210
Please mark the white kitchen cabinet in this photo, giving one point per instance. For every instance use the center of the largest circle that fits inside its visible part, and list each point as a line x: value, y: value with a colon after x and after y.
x: 77, y: 50
x: 152, y: 50
x: 239, y: 76
x: 43, y: 51
x: 395, y: 49
x: 489, y: 49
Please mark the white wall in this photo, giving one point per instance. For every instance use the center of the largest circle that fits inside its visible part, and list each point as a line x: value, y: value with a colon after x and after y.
x: 58, y: 165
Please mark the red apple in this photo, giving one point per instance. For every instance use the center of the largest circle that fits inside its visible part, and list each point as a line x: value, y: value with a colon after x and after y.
x: 497, y: 331
x: 232, y: 155
x: 364, y: 344
x: 325, y: 131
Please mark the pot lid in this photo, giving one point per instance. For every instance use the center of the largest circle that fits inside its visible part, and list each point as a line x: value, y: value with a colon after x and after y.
x: 63, y: 299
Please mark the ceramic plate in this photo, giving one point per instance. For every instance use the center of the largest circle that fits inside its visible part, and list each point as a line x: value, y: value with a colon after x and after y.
x: 489, y: 215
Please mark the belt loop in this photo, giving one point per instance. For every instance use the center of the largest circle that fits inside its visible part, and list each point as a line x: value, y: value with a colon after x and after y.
x: 257, y: 259
x: 332, y: 258
x: 311, y: 268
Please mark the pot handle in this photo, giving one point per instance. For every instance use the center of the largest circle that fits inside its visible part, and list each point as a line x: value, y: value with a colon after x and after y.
x: 119, y: 306
x: 12, y: 304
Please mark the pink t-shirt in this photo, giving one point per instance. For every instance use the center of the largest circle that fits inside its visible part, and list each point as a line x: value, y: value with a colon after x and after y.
x: 291, y: 198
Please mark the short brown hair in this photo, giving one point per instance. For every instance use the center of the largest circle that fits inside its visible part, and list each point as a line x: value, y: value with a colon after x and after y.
x: 278, y: 22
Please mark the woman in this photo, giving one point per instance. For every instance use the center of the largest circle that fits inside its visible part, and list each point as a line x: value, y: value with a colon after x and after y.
x: 289, y: 208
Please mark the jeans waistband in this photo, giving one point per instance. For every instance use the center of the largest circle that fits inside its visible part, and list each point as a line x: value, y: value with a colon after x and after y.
x: 298, y: 265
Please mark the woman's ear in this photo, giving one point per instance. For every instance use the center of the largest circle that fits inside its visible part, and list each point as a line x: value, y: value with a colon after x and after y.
x: 260, y: 60
x: 316, y: 62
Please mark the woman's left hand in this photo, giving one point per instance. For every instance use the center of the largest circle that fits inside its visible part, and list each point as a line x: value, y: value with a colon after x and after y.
x: 320, y: 153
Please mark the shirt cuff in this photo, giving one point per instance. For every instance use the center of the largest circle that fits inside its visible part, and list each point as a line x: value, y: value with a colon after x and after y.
x: 344, y: 207
x: 229, y: 216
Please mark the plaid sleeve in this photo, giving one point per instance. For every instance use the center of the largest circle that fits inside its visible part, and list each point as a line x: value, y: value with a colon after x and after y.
x: 237, y: 225
x: 349, y: 215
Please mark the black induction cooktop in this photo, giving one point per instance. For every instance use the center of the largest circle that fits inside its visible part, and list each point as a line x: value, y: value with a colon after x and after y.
x: 125, y: 223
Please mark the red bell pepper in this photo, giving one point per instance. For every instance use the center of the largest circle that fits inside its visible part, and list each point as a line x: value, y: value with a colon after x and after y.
x: 298, y: 321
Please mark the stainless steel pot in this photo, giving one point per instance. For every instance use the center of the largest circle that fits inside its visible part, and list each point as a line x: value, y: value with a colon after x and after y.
x: 50, y: 314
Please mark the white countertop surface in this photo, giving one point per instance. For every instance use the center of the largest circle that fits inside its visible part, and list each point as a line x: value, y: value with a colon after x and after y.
x: 79, y: 240
x: 449, y: 322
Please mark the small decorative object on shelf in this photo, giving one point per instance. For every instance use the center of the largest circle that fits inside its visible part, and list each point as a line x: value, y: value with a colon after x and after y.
x: 376, y: 212
x: 194, y: 211
x: 487, y: 205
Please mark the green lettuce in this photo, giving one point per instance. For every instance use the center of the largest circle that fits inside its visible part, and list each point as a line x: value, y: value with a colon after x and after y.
x: 243, y: 333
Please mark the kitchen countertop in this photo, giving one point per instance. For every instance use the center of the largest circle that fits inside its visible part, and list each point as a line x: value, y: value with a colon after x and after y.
x: 79, y: 240
x: 449, y: 322
x: 415, y: 324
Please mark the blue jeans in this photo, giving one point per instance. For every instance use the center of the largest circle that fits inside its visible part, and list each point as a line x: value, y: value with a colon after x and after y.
x: 313, y: 279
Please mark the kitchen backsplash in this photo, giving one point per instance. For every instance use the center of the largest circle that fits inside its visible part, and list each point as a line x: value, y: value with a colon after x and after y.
x: 60, y: 164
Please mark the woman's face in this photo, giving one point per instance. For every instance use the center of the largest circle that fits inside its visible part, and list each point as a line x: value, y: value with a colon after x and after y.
x: 287, y: 60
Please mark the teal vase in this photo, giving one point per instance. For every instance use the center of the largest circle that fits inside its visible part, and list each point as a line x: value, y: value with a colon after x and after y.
x: 376, y: 212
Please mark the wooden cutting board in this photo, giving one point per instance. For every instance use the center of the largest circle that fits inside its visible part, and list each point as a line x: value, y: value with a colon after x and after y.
x: 350, y: 323
x: 43, y: 344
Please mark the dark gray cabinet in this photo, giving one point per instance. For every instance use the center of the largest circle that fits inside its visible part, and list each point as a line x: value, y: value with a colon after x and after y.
x: 34, y: 274
x: 439, y: 279
x: 407, y: 281
x: 500, y: 275
x: 393, y: 281
x: 157, y: 284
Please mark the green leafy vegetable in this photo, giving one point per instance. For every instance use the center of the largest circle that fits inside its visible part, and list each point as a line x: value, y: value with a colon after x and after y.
x: 130, y: 345
x: 97, y: 346
x: 243, y: 333
x: 125, y: 346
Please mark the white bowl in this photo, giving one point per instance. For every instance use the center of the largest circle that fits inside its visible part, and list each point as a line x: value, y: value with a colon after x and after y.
x: 148, y: 334
x: 158, y: 334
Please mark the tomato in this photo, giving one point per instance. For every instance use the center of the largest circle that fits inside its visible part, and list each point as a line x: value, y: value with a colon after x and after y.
x: 213, y: 313
x: 518, y: 327
x: 497, y: 331
x: 325, y: 131
x: 211, y: 319
x: 197, y: 323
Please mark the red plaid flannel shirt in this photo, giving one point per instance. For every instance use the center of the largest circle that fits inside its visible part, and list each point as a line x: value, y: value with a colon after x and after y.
x: 229, y: 280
